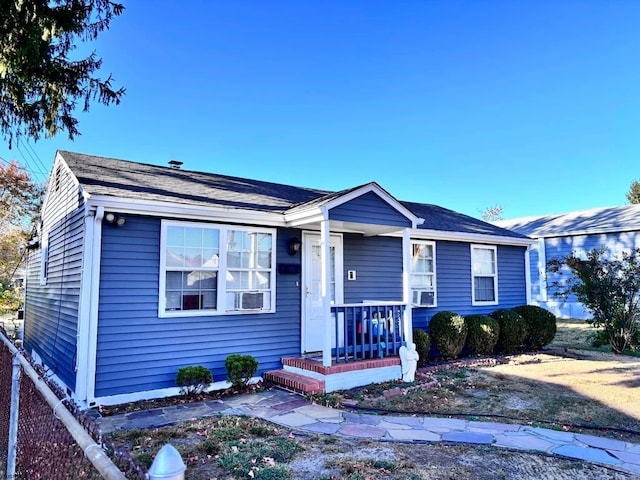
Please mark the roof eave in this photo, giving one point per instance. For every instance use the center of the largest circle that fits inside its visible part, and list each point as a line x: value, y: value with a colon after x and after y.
x: 190, y: 212
x: 471, y: 237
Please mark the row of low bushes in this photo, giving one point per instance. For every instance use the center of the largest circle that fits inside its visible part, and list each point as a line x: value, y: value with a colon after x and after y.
x: 527, y: 327
x: 193, y: 380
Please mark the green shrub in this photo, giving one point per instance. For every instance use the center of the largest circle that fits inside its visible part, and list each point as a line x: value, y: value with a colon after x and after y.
x: 193, y: 380
x: 240, y: 369
x: 423, y: 344
x: 513, y: 330
x: 541, y: 325
x: 448, y: 333
x: 483, y: 334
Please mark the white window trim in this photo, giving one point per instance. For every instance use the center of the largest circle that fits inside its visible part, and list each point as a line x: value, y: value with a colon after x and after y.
x: 475, y: 302
x: 435, y: 274
x: 44, y: 259
x: 222, y: 268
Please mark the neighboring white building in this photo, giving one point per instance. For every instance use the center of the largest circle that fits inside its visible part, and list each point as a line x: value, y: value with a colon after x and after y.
x: 615, y: 228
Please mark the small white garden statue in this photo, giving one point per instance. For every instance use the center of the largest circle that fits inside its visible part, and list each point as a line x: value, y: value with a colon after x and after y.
x: 409, y: 362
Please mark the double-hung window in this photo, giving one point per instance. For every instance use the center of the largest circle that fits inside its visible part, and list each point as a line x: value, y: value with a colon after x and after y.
x: 215, y: 269
x: 423, y: 273
x: 484, y: 275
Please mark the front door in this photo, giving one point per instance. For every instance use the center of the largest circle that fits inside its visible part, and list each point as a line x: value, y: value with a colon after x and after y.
x: 312, y: 319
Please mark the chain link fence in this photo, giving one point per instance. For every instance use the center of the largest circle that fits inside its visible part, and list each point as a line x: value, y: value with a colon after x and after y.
x: 45, y: 447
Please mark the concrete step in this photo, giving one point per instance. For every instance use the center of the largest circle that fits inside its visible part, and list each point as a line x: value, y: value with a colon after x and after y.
x: 295, y: 381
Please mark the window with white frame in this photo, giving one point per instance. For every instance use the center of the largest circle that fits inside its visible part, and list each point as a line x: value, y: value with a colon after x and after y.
x: 484, y: 275
x: 44, y: 259
x: 423, y: 273
x: 214, y: 269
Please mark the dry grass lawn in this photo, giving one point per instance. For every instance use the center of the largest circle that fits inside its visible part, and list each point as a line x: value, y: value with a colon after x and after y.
x: 564, y: 387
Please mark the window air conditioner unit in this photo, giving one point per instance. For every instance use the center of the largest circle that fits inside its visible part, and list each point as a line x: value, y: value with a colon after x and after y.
x: 423, y: 297
x: 251, y: 300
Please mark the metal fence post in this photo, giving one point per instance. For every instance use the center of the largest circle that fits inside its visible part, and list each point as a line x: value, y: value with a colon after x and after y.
x: 13, y: 418
x: 168, y: 465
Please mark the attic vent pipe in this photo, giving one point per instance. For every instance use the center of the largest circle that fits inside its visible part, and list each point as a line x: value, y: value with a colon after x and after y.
x: 175, y: 164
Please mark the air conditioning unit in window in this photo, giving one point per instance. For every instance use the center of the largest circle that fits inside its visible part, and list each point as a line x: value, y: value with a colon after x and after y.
x: 251, y: 300
x: 423, y: 297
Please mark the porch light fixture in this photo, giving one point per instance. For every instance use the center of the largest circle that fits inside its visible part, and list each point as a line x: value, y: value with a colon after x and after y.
x: 114, y: 219
x: 294, y: 246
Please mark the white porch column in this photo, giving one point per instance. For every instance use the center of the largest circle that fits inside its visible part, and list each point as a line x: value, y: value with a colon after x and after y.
x: 325, y: 278
x: 406, y: 284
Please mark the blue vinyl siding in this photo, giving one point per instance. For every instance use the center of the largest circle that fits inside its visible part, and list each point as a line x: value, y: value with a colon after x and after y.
x: 369, y: 208
x: 378, y: 265
x: 453, y: 279
x: 51, y: 310
x: 557, y: 247
x: 139, y: 351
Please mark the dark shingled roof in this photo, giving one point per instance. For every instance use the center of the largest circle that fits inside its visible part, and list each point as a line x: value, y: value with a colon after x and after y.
x: 125, y: 179
x: 122, y: 178
x: 439, y: 218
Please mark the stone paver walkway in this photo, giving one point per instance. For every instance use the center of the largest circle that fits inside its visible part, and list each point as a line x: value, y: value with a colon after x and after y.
x: 291, y: 410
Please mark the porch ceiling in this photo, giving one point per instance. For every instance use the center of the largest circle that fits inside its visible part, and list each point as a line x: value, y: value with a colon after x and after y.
x: 366, y: 229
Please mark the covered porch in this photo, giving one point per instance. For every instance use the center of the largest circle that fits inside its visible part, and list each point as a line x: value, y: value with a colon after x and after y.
x: 355, y: 291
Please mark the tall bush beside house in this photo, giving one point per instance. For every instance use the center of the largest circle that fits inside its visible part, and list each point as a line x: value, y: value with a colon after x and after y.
x: 423, y: 345
x: 607, y: 285
x: 193, y: 380
x: 240, y: 369
x: 448, y: 332
x: 541, y: 325
x: 513, y: 330
x: 483, y: 334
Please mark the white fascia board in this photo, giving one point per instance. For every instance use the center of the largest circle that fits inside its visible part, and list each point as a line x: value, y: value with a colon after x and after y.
x: 297, y: 219
x: 188, y: 212
x: 590, y: 231
x: 470, y: 237
x: 59, y: 160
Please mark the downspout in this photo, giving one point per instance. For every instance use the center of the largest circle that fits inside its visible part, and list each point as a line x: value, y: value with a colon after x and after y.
x: 92, y: 343
x: 82, y: 338
x: 527, y: 274
x: 542, y: 270
x: 406, y: 286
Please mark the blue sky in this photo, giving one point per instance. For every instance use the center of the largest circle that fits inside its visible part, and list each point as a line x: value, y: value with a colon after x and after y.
x: 532, y: 105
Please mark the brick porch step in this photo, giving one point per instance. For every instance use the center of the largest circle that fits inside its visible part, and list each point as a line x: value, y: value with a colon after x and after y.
x: 295, y: 381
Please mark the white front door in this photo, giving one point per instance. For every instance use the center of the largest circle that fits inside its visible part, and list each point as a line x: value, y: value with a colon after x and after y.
x: 312, y: 318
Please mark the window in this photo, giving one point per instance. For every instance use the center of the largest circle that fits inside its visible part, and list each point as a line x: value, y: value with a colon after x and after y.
x: 44, y: 259
x: 484, y: 274
x: 214, y: 269
x: 423, y: 274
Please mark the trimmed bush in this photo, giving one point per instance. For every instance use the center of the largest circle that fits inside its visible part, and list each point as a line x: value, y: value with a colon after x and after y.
x: 448, y: 333
x: 541, y: 325
x: 193, y: 380
x: 240, y: 369
x: 423, y: 344
x: 483, y: 333
x: 513, y: 330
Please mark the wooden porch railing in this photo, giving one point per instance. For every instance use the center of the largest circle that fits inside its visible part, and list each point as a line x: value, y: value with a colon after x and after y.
x: 367, y: 330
